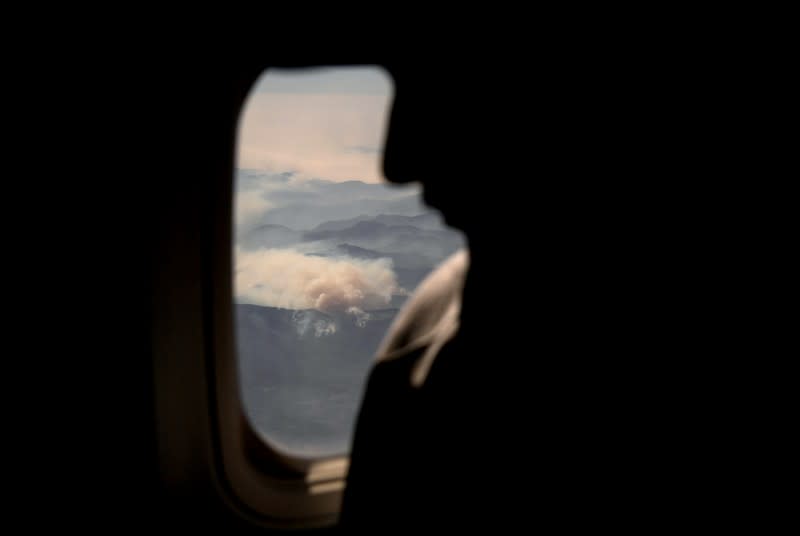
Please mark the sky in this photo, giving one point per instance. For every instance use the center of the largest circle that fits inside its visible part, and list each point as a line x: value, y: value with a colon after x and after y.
x: 325, y: 123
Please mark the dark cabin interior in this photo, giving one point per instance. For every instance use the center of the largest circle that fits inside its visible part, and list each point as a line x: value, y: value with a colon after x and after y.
x: 594, y: 376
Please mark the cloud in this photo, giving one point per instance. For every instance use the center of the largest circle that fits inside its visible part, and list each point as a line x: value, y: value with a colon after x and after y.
x: 288, y: 279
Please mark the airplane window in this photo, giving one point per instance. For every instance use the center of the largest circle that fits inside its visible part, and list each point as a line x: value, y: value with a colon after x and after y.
x: 325, y: 251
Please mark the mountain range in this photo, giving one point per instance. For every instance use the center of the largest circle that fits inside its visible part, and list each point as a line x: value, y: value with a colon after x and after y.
x: 301, y: 372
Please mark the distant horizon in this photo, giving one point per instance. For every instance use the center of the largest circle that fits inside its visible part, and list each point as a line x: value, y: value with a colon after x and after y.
x: 293, y: 173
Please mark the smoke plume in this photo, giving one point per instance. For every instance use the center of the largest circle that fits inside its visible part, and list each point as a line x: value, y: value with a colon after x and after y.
x: 290, y: 280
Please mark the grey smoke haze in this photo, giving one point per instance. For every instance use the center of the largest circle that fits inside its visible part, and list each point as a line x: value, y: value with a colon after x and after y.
x: 264, y: 197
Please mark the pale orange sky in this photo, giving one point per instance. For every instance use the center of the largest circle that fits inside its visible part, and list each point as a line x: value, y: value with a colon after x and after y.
x: 317, y: 123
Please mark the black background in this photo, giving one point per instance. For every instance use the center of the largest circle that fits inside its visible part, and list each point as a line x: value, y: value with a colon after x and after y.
x: 101, y: 160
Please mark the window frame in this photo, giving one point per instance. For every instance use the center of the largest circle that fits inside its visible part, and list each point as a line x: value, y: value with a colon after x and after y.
x: 206, y: 447
x: 282, y: 488
x: 273, y: 488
